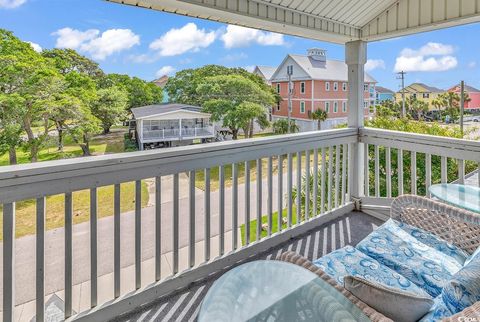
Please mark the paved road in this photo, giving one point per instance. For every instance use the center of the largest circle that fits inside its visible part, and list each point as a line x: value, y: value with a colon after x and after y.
x: 54, y: 239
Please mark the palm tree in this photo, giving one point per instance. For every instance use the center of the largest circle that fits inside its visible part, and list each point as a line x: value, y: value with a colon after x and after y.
x: 320, y: 116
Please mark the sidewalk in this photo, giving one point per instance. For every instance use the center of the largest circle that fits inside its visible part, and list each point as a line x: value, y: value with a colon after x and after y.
x: 81, y: 292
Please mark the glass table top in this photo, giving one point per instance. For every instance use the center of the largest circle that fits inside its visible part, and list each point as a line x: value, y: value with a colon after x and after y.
x: 463, y: 196
x: 275, y: 291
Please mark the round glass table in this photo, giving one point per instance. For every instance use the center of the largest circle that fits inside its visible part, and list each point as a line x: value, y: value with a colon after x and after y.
x: 459, y: 195
x: 275, y: 291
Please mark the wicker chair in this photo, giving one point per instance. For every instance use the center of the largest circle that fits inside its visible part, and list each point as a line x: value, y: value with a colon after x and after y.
x: 457, y: 226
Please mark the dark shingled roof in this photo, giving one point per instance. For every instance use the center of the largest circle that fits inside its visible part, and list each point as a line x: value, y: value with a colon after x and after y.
x: 149, y: 110
x: 381, y: 89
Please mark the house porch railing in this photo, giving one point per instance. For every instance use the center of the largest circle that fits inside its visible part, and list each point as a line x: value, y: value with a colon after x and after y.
x: 322, y: 158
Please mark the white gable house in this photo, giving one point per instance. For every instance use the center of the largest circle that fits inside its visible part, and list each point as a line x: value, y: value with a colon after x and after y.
x: 168, y: 125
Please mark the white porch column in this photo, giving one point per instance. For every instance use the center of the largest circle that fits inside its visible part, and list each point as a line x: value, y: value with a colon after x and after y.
x: 356, y: 57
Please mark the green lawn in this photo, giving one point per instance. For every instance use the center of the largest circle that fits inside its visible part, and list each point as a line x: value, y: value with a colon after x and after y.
x: 102, y: 144
x: 55, y: 210
x: 253, y: 225
x: 214, y: 180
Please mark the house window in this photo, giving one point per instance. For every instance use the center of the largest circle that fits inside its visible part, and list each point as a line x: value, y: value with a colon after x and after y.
x: 327, y: 86
x: 278, y: 106
x: 365, y: 87
x: 365, y: 104
x: 327, y: 107
x: 335, y: 107
x: 344, y: 87
x: 335, y: 86
x: 302, y: 107
x: 302, y: 87
x: 278, y: 88
x: 414, y: 95
x: 344, y: 106
x: 426, y: 95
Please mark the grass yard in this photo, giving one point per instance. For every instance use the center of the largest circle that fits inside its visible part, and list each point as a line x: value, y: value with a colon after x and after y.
x: 25, y: 210
x: 214, y: 180
x: 102, y: 144
x: 253, y: 225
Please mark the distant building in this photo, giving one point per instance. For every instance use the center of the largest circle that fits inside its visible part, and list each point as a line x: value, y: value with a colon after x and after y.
x: 473, y: 94
x: 383, y: 94
x: 421, y: 92
x: 161, y: 82
x: 265, y: 72
x: 167, y: 125
x: 318, y: 83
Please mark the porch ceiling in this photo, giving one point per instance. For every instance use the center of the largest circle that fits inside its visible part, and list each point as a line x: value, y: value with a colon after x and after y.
x: 337, y: 21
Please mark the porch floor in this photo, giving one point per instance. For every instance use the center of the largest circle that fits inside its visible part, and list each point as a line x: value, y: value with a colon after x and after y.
x: 184, y: 306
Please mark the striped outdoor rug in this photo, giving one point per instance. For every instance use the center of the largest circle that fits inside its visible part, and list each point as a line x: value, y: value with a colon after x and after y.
x: 346, y: 230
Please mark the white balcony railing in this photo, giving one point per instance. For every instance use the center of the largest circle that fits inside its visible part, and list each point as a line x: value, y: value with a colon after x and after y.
x: 401, y: 162
x: 397, y: 163
x: 280, y: 161
x: 179, y: 133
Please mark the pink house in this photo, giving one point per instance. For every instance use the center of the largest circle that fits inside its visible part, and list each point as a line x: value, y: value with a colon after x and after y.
x: 318, y: 83
x: 473, y: 93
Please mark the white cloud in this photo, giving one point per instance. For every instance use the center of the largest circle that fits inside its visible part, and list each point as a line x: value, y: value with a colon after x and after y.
x: 472, y: 64
x: 249, y: 68
x: 165, y: 70
x: 35, y: 46
x: 10, y: 4
x: 237, y: 36
x: 374, y: 64
x: 430, y: 49
x: 110, y: 42
x: 99, y: 46
x: 72, y: 38
x: 186, y: 39
x: 424, y: 59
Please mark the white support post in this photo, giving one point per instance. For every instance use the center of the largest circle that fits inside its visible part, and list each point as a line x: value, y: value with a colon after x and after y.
x: 356, y: 57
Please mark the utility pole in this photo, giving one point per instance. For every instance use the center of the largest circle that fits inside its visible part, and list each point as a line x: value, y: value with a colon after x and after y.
x: 289, y: 73
x: 401, y: 75
x: 462, y: 102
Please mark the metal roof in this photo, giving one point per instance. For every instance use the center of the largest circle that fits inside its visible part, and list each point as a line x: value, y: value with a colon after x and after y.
x: 467, y: 88
x: 337, y: 21
x: 380, y: 89
x: 150, y: 110
x: 329, y: 70
x: 266, y: 71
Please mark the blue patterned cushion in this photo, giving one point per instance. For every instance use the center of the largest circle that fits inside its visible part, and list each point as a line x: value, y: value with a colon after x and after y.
x: 463, y: 290
x: 438, y: 311
x: 433, y: 241
x: 350, y: 261
x: 423, y: 265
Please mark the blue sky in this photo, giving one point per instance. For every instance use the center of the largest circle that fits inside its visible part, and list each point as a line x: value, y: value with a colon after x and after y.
x: 146, y: 43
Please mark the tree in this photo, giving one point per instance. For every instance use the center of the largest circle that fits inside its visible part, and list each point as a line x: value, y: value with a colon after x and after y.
x: 140, y: 92
x: 82, y: 128
x: 27, y: 74
x: 451, y: 103
x: 110, y: 106
x: 280, y: 126
x: 182, y: 88
x: 68, y: 60
x: 10, y: 125
x: 236, y: 101
x: 320, y: 116
x: 416, y: 109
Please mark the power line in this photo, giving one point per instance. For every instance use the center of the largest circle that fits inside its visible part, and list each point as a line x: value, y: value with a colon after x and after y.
x: 401, y: 76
